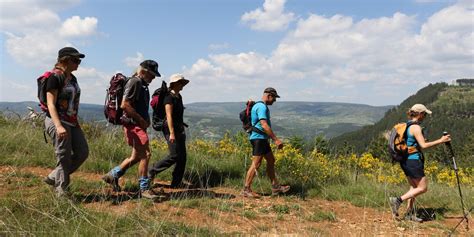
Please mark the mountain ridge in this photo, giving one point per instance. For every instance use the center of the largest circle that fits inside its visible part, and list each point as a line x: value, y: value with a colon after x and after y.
x: 292, y: 118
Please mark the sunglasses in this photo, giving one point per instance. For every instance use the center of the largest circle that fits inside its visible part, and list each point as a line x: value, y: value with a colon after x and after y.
x: 76, y: 60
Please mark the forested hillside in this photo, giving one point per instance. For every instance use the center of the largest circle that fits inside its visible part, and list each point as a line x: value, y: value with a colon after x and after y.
x: 453, y: 111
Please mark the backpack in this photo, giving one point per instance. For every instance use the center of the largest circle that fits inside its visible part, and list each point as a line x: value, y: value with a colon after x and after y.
x: 41, y: 83
x: 159, y: 113
x: 245, y: 117
x: 113, y: 99
x: 397, y: 143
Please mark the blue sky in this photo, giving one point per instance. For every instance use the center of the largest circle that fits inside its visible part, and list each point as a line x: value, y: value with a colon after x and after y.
x: 371, y: 52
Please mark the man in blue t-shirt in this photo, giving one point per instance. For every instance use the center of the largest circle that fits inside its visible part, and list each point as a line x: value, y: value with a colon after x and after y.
x: 261, y: 132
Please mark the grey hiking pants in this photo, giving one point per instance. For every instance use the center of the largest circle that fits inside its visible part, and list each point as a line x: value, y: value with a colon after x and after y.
x: 70, y: 152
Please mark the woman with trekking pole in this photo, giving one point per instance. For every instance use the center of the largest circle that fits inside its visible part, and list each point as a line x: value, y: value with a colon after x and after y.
x: 413, y: 165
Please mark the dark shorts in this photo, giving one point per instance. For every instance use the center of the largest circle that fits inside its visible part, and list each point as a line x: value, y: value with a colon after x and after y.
x: 413, y: 168
x: 260, y: 147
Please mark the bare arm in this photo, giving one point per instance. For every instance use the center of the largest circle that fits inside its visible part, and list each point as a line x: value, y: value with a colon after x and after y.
x: 416, y: 131
x: 128, y: 108
x: 51, y: 97
x: 169, y: 120
x: 268, y: 130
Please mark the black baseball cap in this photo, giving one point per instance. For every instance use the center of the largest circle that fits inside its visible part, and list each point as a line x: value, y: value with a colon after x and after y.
x: 70, y: 51
x: 151, y: 66
x: 272, y: 91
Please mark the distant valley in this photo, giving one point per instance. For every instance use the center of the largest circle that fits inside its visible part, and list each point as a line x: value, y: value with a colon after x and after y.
x: 211, y: 120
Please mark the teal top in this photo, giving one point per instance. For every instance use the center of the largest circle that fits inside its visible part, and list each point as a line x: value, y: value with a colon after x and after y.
x: 411, y: 141
x: 259, y: 111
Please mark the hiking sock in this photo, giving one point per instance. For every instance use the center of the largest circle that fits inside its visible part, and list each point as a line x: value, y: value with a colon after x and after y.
x: 144, y: 183
x: 117, y: 172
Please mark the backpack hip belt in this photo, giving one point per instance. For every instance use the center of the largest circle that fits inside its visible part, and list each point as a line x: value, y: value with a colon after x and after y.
x: 412, y: 150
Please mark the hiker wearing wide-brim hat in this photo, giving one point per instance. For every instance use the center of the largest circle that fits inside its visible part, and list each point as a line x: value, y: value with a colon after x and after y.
x: 413, y: 165
x: 262, y: 132
x: 135, y: 121
x: 174, y: 132
x: 59, y: 98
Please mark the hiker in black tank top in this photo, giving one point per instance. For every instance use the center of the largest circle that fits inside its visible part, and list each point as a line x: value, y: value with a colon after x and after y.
x: 174, y: 133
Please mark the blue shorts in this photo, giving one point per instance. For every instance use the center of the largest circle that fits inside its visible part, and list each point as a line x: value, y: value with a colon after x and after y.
x: 413, y: 168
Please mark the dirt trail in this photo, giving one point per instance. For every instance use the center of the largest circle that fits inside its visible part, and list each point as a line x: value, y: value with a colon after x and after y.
x: 228, y: 212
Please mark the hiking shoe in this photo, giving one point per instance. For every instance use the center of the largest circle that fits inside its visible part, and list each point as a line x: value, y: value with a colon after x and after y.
x: 150, y: 194
x: 182, y: 185
x: 413, y: 217
x: 108, y: 178
x: 61, y: 193
x: 279, y: 189
x: 249, y: 193
x: 49, y: 181
x: 394, y: 205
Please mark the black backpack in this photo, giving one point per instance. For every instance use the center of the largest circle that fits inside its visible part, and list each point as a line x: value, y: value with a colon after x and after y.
x: 245, y: 117
x: 159, y: 113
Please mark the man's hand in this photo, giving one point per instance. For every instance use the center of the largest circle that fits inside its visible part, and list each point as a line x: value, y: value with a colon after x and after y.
x: 279, y: 143
x: 143, y: 124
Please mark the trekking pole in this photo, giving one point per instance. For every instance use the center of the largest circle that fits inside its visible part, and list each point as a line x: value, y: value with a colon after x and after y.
x: 455, y: 167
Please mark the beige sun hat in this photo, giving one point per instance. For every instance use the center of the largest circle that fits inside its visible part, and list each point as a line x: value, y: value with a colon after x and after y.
x: 420, y: 108
x: 178, y: 78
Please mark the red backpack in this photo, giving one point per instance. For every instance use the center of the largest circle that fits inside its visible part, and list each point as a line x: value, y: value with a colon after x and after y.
x: 41, y: 82
x: 112, y: 111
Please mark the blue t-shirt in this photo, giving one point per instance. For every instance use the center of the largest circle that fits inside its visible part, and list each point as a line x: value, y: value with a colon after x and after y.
x: 411, y: 141
x: 259, y: 111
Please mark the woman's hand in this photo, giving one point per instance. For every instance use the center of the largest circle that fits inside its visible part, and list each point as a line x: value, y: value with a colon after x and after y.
x: 445, y: 138
x: 61, y: 132
x: 172, y: 138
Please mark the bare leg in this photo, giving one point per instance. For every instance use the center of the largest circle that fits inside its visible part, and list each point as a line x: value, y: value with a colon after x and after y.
x: 256, y: 162
x: 419, y: 186
x: 271, y: 168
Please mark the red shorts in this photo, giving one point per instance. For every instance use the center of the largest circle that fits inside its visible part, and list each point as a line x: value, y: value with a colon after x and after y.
x: 135, y: 135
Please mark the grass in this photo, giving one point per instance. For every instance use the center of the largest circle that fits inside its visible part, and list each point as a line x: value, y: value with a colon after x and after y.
x: 35, y: 210
x: 320, y: 215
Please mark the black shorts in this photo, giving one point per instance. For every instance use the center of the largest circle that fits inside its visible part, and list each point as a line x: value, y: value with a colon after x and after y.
x: 260, y: 147
x: 413, y: 168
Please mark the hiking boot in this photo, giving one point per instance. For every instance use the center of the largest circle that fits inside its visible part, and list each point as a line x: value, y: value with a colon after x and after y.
x: 394, y: 205
x: 149, y: 194
x: 110, y: 179
x: 182, y: 185
x: 49, y: 181
x: 413, y: 217
x: 247, y: 192
x: 61, y: 193
x: 279, y: 189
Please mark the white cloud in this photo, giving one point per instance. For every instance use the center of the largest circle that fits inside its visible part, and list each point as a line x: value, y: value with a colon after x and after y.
x: 133, y: 62
x: 338, y: 58
x: 93, y: 84
x: 35, y: 33
x: 77, y: 27
x: 271, y: 18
